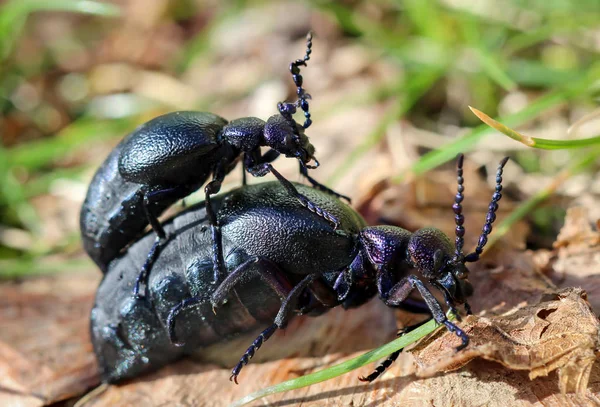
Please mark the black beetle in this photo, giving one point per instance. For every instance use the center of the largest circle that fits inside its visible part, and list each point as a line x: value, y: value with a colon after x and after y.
x: 171, y: 156
x: 281, y: 260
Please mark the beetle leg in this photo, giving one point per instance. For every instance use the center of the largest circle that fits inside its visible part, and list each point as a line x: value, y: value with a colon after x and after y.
x: 268, y: 274
x: 467, y: 308
x: 259, y: 166
x: 449, y: 302
x: 268, y: 157
x: 317, y: 185
x: 400, y: 292
x: 145, y: 272
x: 182, y: 306
x: 244, y: 180
x: 301, y: 198
x: 151, y: 198
x: 324, y: 294
x: 271, y: 277
x: 287, y: 306
x: 392, y: 357
x: 381, y: 368
x: 212, y: 188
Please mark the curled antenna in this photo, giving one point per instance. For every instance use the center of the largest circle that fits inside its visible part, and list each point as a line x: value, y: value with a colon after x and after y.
x: 490, y: 217
x: 288, y: 109
x: 457, y: 207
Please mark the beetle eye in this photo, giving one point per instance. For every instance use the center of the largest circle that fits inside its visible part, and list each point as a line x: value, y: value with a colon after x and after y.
x: 438, y: 260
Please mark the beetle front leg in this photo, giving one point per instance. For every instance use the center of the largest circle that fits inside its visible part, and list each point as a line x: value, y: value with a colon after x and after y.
x: 287, y: 307
x: 450, y: 303
x: 262, y: 169
x: 402, y: 290
x: 317, y: 185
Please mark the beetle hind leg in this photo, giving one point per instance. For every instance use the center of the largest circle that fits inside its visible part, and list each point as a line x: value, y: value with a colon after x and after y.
x: 381, y: 368
x: 288, y: 305
x: 262, y: 338
x: 391, y: 358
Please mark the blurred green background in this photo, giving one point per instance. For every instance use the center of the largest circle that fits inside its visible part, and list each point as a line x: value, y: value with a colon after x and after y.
x: 393, y: 77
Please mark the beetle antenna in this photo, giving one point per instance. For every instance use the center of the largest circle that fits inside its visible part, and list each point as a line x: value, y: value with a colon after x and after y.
x: 295, y: 71
x: 457, y: 207
x: 288, y: 109
x: 491, y: 215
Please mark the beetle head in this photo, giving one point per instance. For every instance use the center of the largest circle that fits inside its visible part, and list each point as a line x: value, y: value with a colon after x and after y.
x: 280, y: 136
x: 430, y: 252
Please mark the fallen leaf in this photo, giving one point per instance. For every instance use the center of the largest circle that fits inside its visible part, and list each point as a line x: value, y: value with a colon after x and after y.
x: 45, y: 349
x: 561, y: 332
x: 575, y: 258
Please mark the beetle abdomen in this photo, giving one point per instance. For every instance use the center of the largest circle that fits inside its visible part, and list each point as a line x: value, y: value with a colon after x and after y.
x: 266, y: 221
x: 130, y: 335
x: 166, y: 149
x: 112, y: 215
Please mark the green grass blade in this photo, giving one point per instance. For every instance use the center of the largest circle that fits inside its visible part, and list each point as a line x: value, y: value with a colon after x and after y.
x: 345, y: 367
x: 489, y: 62
x: 534, y: 142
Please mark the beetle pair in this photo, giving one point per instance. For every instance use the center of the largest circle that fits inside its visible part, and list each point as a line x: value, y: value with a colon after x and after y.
x: 280, y: 260
x: 257, y: 248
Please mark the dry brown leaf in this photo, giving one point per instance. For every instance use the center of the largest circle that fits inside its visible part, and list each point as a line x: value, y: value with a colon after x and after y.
x: 561, y: 333
x: 45, y: 349
x: 577, y: 232
x: 575, y: 259
x: 309, y: 344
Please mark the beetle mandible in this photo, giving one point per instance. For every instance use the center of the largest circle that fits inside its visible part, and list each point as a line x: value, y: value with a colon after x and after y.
x: 172, y: 156
x: 280, y: 260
